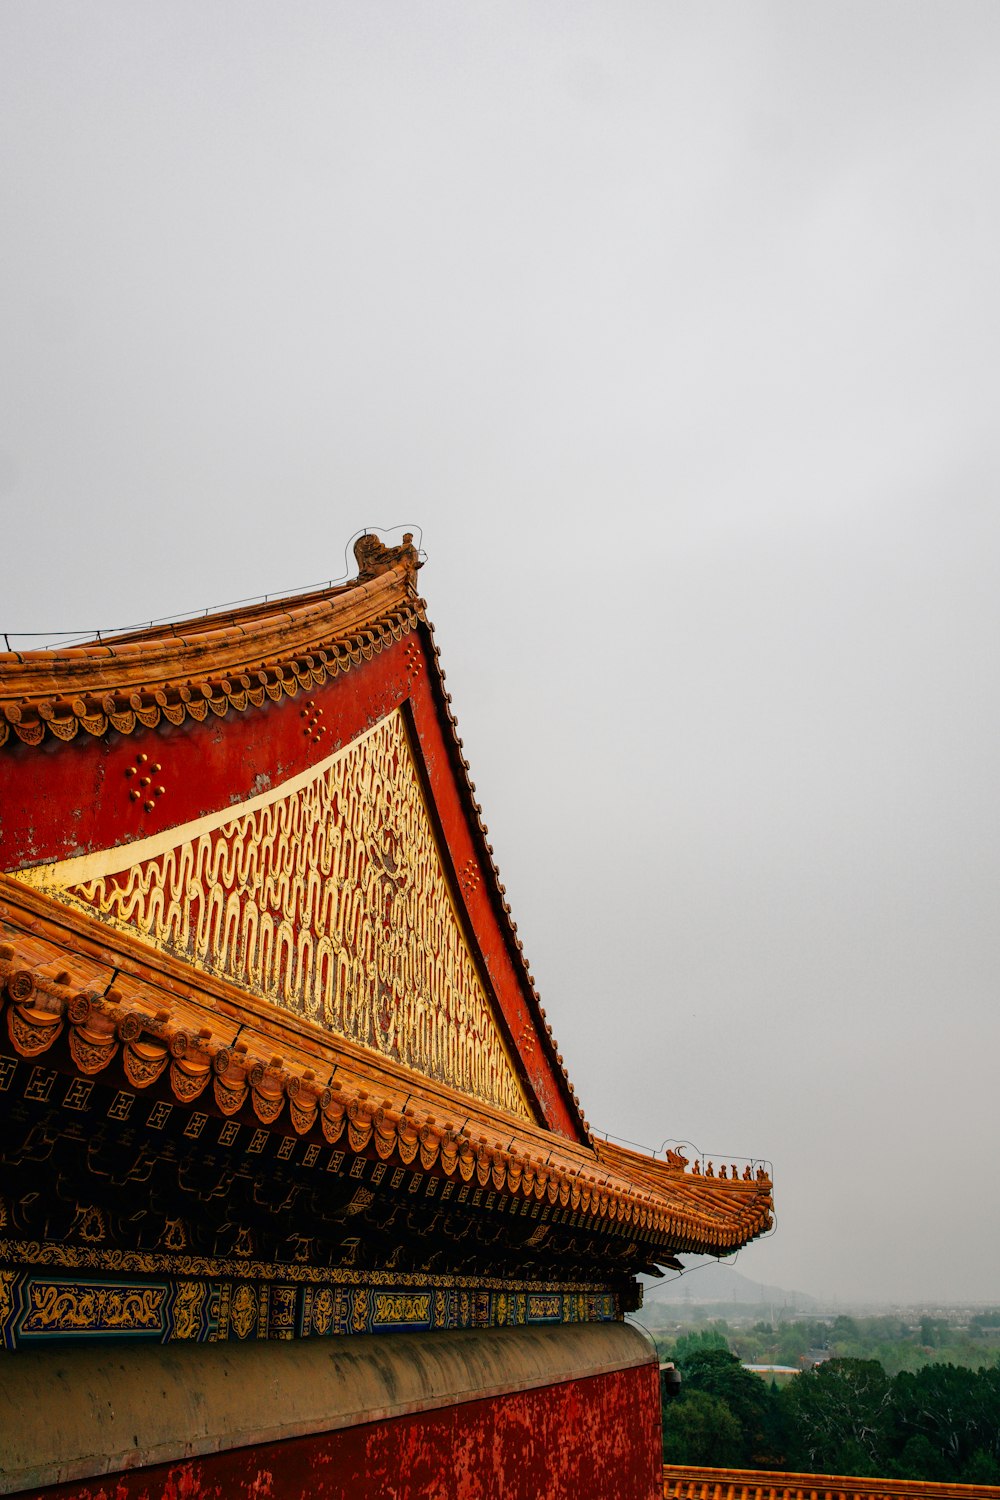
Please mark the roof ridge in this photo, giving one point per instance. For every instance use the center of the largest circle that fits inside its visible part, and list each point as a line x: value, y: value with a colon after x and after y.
x: 95, y: 688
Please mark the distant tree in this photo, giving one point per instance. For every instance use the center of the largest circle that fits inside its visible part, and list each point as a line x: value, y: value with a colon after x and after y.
x: 951, y: 1412
x: 717, y: 1373
x: 982, y: 1468
x: 845, y: 1328
x: 919, y: 1459
x: 907, y: 1413
x: 700, y: 1429
x: 700, y: 1339
x: 933, y: 1331
x: 838, y: 1418
x: 792, y: 1341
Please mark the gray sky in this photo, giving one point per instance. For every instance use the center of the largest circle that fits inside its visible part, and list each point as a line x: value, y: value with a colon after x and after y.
x: 675, y: 328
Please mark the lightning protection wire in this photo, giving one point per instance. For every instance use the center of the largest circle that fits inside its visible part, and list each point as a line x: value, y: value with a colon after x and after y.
x: 213, y: 609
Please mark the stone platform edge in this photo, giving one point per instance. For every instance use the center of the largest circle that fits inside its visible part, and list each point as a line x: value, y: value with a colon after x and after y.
x: 86, y: 1411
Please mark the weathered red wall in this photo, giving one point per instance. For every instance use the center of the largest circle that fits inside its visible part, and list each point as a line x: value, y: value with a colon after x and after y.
x: 592, y: 1439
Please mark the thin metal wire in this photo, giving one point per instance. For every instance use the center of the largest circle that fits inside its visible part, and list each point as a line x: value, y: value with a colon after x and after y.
x: 212, y: 609
x: 722, y: 1157
x: 729, y: 1260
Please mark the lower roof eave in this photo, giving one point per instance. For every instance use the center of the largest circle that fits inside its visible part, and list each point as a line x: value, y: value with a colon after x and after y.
x: 208, y: 1041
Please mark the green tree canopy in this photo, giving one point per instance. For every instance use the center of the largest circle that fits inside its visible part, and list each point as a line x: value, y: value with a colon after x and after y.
x: 699, y: 1338
x: 700, y: 1429
x: 952, y: 1412
x: 838, y: 1418
x: 938, y: 1422
x: 717, y: 1373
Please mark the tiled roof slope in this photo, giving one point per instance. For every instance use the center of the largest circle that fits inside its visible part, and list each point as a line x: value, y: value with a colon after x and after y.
x: 219, y: 663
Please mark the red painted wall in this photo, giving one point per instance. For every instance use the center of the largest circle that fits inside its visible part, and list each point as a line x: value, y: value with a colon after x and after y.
x: 592, y: 1439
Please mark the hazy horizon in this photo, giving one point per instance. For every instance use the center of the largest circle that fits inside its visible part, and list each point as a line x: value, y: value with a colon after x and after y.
x: 674, y: 327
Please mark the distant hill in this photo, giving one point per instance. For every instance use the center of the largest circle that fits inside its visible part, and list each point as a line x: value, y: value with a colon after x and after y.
x: 712, y: 1283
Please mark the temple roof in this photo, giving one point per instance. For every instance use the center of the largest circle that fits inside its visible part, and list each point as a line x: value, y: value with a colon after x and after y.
x: 238, y: 715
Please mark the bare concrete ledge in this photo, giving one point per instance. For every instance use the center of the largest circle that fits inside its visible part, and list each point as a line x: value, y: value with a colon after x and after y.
x: 76, y: 1412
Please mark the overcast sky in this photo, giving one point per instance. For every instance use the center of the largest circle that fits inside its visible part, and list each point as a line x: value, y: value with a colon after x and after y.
x: 675, y: 328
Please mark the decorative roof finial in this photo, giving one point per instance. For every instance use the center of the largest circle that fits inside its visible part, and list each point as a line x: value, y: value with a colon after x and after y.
x: 373, y: 557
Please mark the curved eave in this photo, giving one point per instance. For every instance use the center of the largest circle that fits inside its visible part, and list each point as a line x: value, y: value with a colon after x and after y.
x: 121, y: 683
x: 729, y: 1211
x: 206, y: 1038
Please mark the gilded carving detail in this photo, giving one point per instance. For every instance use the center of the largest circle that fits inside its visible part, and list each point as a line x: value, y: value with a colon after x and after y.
x: 359, y: 1314
x: 323, y: 1311
x: 7, y: 1280
x: 243, y: 1311
x: 543, y: 1305
x: 90, y: 1057
x: 38, y: 1253
x: 142, y: 1065
x: 327, y: 896
x: 402, y: 1307
x: 34, y: 1307
x: 187, y: 1309
x: 35, y: 1036
x: 89, y: 1224
x: 362, y: 1199
x: 186, y: 1085
x: 267, y: 1110
x: 174, y: 1236
x: 54, y: 1306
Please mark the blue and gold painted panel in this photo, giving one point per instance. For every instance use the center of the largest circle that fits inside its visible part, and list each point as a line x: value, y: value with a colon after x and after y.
x: 35, y: 1306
